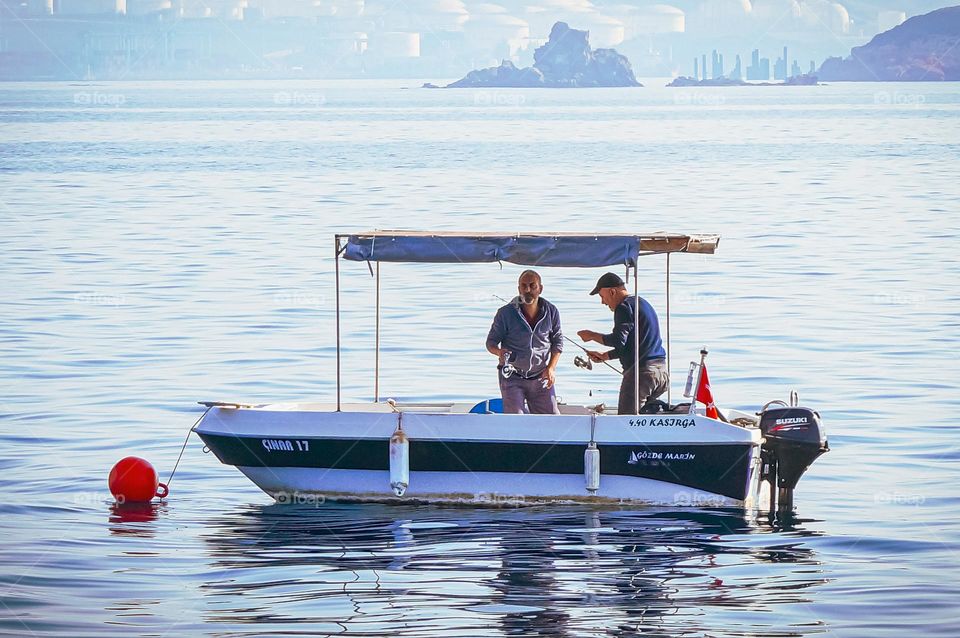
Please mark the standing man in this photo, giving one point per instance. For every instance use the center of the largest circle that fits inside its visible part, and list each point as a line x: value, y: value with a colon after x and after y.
x: 527, y: 330
x: 652, y: 378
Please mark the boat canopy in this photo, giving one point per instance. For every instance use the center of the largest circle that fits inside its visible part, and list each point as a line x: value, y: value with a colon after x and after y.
x: 525, y: 249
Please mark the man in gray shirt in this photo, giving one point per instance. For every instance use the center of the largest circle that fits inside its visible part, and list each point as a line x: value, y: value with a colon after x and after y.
x: 526, y: 335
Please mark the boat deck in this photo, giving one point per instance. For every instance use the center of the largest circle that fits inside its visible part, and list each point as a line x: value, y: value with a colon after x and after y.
x: 431, y: 407
x: 738, y: 417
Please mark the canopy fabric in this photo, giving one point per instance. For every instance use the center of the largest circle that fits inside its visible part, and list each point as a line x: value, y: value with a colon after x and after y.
x: 558, y: 249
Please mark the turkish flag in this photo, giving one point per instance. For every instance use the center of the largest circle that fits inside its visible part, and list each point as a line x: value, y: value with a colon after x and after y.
x: 704, y: 395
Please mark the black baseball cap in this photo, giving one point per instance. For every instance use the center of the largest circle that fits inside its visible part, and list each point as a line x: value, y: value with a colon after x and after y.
x: 608, y: 280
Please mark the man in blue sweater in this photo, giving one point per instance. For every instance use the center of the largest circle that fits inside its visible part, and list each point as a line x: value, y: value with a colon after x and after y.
x: 651, y: 378
x: 527, y: 330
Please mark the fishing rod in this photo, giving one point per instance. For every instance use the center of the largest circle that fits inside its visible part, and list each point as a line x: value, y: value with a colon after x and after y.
x: 578, y: 361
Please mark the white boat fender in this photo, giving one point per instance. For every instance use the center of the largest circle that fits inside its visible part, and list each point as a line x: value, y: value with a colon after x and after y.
x: 591, y: 467
x: 399, y: 460
x: 591, y: 459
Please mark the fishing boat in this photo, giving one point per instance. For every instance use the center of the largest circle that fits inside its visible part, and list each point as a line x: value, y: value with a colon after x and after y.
x: 468, y: 452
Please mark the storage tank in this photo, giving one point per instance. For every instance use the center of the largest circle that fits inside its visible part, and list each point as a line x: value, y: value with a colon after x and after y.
x: 837, y: 18
x: 605, y: 31
x: 292, y: 8
x: 831, y: 16
x: 146, y: 7
x: 90, y: 7
x: 485, y: 8
x: 542, y: 16
x: 780, y: 12
x: 496, y: 32
x: 659, y: 18
x: 887, y: 20
x: 395, y: 44
x: 36, y: 7
x: 432, y: 16
x: 645, y: 21
x: 337, y: 8
x: 721, y: 17
x: 344, y: 8
x: 226, y: 9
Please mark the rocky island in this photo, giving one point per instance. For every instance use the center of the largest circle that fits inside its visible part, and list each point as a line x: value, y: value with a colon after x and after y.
x: 565, y: 61
x: 924, y: 48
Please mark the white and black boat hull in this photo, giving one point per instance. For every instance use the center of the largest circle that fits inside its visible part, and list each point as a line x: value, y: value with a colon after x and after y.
x: 302, y: 453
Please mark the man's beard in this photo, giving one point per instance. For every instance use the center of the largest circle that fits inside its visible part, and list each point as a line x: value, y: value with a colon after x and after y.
x: 527, y: 299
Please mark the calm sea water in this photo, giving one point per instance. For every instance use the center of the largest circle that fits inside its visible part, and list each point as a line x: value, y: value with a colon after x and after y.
x: 164, y: 243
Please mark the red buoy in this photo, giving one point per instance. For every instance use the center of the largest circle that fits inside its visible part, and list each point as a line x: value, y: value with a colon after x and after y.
x: 133, y: 480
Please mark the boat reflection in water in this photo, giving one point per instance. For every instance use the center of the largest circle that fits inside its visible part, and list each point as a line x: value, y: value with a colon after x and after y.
x: 368, y: 569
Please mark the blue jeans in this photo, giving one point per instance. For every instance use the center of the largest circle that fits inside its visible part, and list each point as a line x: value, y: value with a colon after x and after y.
x: 516, y: 390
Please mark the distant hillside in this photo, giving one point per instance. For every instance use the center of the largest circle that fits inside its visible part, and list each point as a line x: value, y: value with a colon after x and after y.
x: 924, y: 48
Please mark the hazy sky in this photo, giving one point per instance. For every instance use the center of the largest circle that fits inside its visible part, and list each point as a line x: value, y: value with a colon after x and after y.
x: 911, y: 7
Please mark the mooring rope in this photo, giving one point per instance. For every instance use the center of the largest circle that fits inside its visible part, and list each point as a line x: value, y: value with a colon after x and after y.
x: 189, y: 432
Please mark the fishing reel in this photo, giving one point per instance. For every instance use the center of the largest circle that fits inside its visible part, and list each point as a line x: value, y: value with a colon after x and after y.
x: 508, y: 368
x: 580, y: 362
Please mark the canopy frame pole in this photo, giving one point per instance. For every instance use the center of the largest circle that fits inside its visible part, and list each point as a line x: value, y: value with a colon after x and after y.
x: 336, y: 269
x: 668, y: 328
x: 376, y: 357
x: 636, y: 337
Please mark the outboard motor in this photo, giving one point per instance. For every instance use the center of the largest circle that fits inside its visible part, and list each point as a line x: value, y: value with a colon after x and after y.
x: 793, y: 439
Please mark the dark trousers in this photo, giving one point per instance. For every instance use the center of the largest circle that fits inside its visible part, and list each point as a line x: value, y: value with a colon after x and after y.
x: 516, y: 390
x: 652, y: 381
